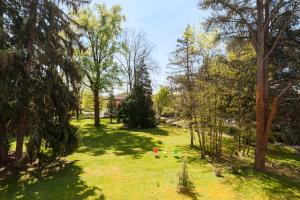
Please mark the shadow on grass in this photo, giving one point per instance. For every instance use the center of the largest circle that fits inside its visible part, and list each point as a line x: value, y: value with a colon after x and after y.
x: 191, y: 194
x: 191, y: 154
x: 57, y: 180
x: 122, y: 142
x: 285, y: 159
x: 152, y: 131
x: 273, y: 182
x: 274, y: 185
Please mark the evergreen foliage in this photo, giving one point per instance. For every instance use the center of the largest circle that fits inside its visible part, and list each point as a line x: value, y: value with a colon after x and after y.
x: 38, y: 75
x: 184, y: 183
x: 137, y: 109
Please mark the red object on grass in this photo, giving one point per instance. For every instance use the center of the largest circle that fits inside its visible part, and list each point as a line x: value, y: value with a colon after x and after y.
x: 155, y: 150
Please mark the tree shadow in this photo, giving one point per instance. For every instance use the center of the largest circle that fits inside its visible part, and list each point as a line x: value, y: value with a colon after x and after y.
x: 98, y: 141
x: 56, y: 180
x: 192, y: 194
x: 284, y: 158
x: 275, y: 186
x: 152, y: 131
x: 280, y: 182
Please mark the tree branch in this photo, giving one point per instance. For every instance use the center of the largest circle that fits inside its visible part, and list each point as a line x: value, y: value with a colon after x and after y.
x: 240, y: 14
x: 279, y: 35
x: 274, y: 109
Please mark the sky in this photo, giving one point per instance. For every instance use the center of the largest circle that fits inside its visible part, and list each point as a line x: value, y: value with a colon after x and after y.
x: 163, y: 22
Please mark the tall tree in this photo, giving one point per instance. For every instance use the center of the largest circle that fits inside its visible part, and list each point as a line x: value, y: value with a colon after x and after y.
x: 162, y: 99
x: 134, y: 50
x: 259, y: 21
x: 286, y: 54
x: 100, y: 32
x: 137, y: 110
x: 185, y: 60
x: 239, y: 83
x: 38, y: 74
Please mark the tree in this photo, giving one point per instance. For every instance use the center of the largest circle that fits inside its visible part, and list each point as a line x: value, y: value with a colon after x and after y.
x: 286, y: 125
x: 87, y: 103
x: 111, y: 106
x: 97, y: 63
x: 38, y: 76
x: 258, y: 21
x: 185, y: 59
x: 162, y: 99
x: 135, y: 50
x: 239, y: 83
x: 137, y: 109
x: 87, y: 100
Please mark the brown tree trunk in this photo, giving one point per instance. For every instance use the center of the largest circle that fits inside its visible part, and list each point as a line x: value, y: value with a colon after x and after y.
x: 261, y: 92
x: 19, y: 148
x: 3, y: 145
x: 261, y: 104
x: 96, y: 108
x: 3, y: 153
x: 22, y: 129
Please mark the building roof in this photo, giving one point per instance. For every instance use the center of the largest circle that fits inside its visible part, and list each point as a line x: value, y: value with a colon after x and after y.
x: 121, y: 96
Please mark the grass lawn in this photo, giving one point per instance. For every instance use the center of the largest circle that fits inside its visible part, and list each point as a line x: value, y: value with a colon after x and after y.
x: 118, y: 164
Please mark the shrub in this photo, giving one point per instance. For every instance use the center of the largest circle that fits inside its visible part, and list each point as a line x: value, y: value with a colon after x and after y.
x: 184, y: 183
x: 218, y: 172
x: 235, y: 166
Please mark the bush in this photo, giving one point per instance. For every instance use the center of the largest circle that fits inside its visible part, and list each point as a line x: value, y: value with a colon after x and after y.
x: 218, y: 172
x: 63, y: 140
x: 235, y: 166
x: 184, y: 183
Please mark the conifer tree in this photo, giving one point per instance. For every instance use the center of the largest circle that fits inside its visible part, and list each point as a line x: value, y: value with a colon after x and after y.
x: 38, y: 76
x: 137, y: 110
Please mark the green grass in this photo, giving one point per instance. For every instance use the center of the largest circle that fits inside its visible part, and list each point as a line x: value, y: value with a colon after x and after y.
x: 118, y: 164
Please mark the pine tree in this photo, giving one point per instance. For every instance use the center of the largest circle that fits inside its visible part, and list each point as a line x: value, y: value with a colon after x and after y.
x: 38, y: 75
x: 185, y: 58
x: 137, y: 110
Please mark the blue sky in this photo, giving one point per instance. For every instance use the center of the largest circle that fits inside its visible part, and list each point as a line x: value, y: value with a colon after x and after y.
x: 163, y: 22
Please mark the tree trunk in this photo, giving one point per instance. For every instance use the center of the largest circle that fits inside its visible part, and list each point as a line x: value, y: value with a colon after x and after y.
x: 19, y: 148
x: 192, y: 135
x: 261, y: 141
x: 261, y: 92
x: 3, y: 146
x: 22, y: 129
x: 96, y: 108
x: 3, y: 153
